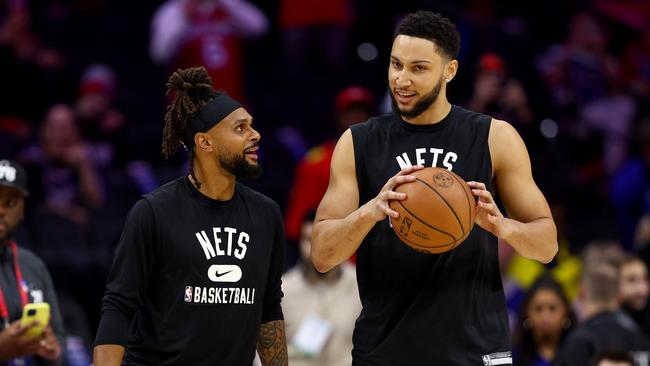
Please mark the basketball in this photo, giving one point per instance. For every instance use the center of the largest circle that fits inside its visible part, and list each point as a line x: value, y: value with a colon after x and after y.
x: 438, y: 212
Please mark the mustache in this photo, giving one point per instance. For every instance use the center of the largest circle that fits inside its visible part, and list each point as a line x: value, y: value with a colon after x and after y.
x: 254, y: 146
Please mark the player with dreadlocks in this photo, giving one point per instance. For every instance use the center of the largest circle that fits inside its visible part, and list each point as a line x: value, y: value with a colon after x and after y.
x: 196, y: 276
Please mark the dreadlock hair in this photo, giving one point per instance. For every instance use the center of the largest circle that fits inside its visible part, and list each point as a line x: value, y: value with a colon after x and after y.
x: 191, y: 89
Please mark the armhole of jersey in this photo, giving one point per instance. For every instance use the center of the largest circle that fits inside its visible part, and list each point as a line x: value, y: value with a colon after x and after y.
x: 359, y: 133
x: 487, y: 147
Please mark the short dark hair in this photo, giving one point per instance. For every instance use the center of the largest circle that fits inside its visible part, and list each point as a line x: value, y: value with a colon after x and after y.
x: 615, y: 356
x: 433, y: 27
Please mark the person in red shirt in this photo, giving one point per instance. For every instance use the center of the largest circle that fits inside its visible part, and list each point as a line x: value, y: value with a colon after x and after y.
x: 187, y: 33
x: 353, y: 104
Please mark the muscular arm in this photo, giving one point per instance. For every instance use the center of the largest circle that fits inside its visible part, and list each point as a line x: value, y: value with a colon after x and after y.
x: 108, y: 355
x: 530, y: 229
x: 340, y: 223
x: 272, y: 344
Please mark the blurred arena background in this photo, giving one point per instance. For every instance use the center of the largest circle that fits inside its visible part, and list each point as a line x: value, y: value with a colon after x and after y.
x: 82, y: 103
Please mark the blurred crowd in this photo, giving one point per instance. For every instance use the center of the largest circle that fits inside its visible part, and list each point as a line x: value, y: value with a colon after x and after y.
x: 82, y: 109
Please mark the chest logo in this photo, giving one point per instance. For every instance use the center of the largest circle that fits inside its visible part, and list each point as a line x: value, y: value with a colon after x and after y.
x: 224, y: 273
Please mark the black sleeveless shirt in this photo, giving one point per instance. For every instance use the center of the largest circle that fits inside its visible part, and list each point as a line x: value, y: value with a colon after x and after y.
x: 424, y: 309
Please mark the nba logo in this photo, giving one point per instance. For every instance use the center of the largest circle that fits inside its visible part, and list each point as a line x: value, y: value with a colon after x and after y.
x: 188, y: 293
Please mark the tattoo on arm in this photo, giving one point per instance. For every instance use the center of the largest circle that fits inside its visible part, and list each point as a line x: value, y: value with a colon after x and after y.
x: 272, y: 344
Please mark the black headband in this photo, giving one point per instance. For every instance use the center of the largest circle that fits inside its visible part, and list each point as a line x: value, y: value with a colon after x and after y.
x: 220, y: 107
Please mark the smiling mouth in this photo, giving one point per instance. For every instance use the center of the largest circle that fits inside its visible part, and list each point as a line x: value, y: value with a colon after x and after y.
x: 404, y: 93
x: 251, y: 152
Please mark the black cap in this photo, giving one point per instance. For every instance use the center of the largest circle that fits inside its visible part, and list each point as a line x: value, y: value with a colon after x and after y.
x: 13, y: 175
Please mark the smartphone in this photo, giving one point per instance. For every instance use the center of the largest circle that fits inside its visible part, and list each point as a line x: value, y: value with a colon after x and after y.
x: 39, y: 312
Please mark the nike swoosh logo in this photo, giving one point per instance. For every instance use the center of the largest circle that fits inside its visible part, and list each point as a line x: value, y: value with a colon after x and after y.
x: 224, y: 273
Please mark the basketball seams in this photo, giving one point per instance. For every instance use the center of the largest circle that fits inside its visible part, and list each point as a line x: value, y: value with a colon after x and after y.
x: 446, y: 203
x: 469, y: 204
x: 425, y: 223
x: 403, y: 238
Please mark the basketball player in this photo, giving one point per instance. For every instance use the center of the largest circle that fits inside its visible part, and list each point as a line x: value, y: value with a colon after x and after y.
x: 423, y: 309
x: 196, y: 276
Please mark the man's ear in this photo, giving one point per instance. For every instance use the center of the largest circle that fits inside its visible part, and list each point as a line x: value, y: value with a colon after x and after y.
x: 451, y: 69
x: 203, y: 141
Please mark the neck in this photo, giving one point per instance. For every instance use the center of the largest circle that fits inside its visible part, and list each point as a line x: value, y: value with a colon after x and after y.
x: 438, y: 110
x: 594, y: 308
x: 216, y: 183
x: 547, y: 350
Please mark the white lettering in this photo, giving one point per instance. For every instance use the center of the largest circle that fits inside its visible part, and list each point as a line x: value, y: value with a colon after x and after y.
x: 230, y: 232
x: 217, y: 295
x: 403, y: 161
x: 244, y: 296
x: 205, y: 244
x: 450, y: 156
x: 421, y: 158
x: 237, y: 295
x: 197, y: 293
x: 436, y: 153
x: 214, y: 249
x: 241, y: 243
x: 217, y: 240
x: 418, y: 156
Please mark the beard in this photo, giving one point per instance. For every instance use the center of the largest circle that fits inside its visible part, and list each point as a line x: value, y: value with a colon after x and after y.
x: 421, y: 105
x: 237, y: 165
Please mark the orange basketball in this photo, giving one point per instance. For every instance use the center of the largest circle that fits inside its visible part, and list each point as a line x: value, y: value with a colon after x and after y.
x: 438, y: 212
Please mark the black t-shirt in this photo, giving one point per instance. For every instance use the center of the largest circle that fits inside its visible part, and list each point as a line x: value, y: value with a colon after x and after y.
x: 606, y: 331
x: 424, y: 309
x: 194, y: 278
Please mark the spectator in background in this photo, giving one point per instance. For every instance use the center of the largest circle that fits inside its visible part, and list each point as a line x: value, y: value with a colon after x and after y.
x: 99, y: 120
x: 605, y: 327
x: 578, y: 71
x: 187, y: 33
x: 635, y: 66
x: 319, y: 309
x: 67, y: 193
x: 634, y: 290
x: 630, y: 186
x: 67, y: 177
x: 354, y: 104
x: 28, y: 66
x: 545, y: 320
x: 24, y: 279
x: 499, y: 94
x: 308, y: 23
x: 520, y: 273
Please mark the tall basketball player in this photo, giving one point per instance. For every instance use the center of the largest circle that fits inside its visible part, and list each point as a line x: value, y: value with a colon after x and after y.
x: 196, y: 277
x: 423, y: 309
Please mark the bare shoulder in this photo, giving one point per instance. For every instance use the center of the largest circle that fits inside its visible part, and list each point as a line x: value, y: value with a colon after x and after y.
x: 345, y: 143
x: 506, y: 146
x: 502, y: 131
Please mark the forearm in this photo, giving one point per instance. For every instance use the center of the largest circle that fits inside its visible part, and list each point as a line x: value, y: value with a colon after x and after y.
x: 108, y: 355
x: 536, y: 239
x: 272, y: 344
x: 334, y: 241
